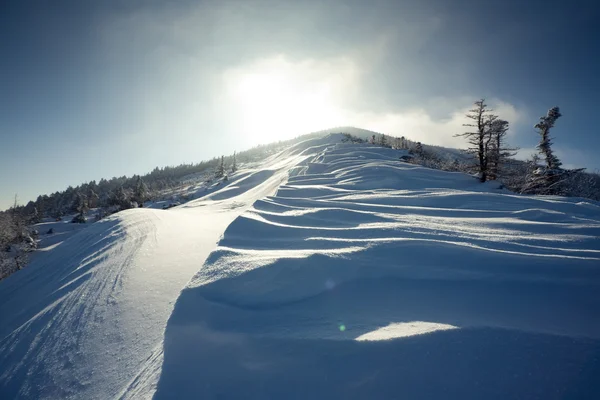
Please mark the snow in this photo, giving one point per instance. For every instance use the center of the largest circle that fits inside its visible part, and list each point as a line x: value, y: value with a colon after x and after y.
x: 403, y: 329
x: 329, y: 270
x: 365, y: 277
x: 87, y: 315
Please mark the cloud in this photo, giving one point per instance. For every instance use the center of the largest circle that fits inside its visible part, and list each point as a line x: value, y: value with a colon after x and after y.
x: 213, y: 76
x: 275, y: 96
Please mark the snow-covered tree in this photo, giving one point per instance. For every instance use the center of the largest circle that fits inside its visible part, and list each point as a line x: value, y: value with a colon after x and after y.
x: 15, y: 239
x: 545, y: 146
x: 18, y: 220
x: 234, y: 164
x: 418, y: 150
x: 93, y: 199
x: 550, y: 178
x: 479, y: 137
x: 82, y: 208
x: 220, y: 172
x: 140, y: 192
x: 383, y: 142
x: 121, y: 198
x: 498, y: 153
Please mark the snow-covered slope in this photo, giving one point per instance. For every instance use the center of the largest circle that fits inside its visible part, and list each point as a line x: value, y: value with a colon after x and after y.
x: 307, y: 288
x: 88, y: 315
x: 339, y: 272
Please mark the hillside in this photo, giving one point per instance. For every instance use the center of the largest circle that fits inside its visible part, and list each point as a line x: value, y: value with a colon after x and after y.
x: 327, y: 270
x: 307, y: 288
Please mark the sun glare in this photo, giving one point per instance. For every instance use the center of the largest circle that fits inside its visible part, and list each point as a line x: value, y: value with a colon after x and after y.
x: 277, y: 100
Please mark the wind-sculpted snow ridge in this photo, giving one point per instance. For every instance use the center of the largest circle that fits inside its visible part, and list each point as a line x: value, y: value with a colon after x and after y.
x: 86, y: 319
x: 366, y: 277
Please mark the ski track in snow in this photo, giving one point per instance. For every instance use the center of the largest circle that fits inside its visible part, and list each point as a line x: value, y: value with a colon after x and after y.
x: 490, y: 294
x: 339, y: 272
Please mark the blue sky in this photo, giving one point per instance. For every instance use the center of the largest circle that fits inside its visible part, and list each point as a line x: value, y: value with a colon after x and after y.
x: 101, y: 89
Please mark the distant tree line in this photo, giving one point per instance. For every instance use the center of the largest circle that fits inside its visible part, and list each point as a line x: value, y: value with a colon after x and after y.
x: 18, y: 238
x: 124, y: 192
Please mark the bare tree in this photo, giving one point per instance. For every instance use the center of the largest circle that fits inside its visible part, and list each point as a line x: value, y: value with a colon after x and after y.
x: 480, y: 138
x: 498, y: 152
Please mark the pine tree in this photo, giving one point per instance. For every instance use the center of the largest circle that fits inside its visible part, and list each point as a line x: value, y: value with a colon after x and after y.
x: 40, y: 206
x: 551, y: 179
x: 419, y: 149
x: 82, y: 208
x: 383, y: 141
x: 546, y: 123
x: 17, y: 220
x: 120, y: 198
x: 221, y: 168
x: 93, y: 199
x: 140, y: 193
x: 234, y: 166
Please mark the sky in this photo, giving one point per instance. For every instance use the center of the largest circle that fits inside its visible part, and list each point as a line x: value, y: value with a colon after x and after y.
x: 96, y: 89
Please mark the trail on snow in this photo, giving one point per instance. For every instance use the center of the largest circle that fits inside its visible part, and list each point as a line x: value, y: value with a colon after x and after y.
x: 365, y: 277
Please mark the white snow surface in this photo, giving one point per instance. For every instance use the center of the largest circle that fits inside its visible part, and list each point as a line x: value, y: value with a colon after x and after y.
x: 88, y: 314
x: 331, y: 270
x: 365, y: 277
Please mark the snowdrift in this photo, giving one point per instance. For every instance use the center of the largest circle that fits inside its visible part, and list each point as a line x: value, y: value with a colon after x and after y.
x: 86, y: 318
x: 327, y: 270
x: 366, y: 277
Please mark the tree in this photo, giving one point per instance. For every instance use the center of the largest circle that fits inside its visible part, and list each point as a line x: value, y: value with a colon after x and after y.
x: 17, y: 220
x: 383, y: 141
x: 93, y: 199
x: 549, y: 179
x: 234, y: 166
x: 498, y: 152
x: 221, y: 168
x: 140, y: 192
x: 403, y: 143
x: 120, y: 198
x: 479, y: 138
x: 82, y: 209
x: 419, y: 149
x: 40, y: 207
x: 545, y: 146
x: 35, y: 216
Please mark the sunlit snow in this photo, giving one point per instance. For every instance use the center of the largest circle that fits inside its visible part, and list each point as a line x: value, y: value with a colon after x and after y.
x: 328, y: 270
x: 404, y: 329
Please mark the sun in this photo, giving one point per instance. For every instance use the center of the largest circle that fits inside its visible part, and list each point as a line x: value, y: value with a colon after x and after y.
x: 277, y: 100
